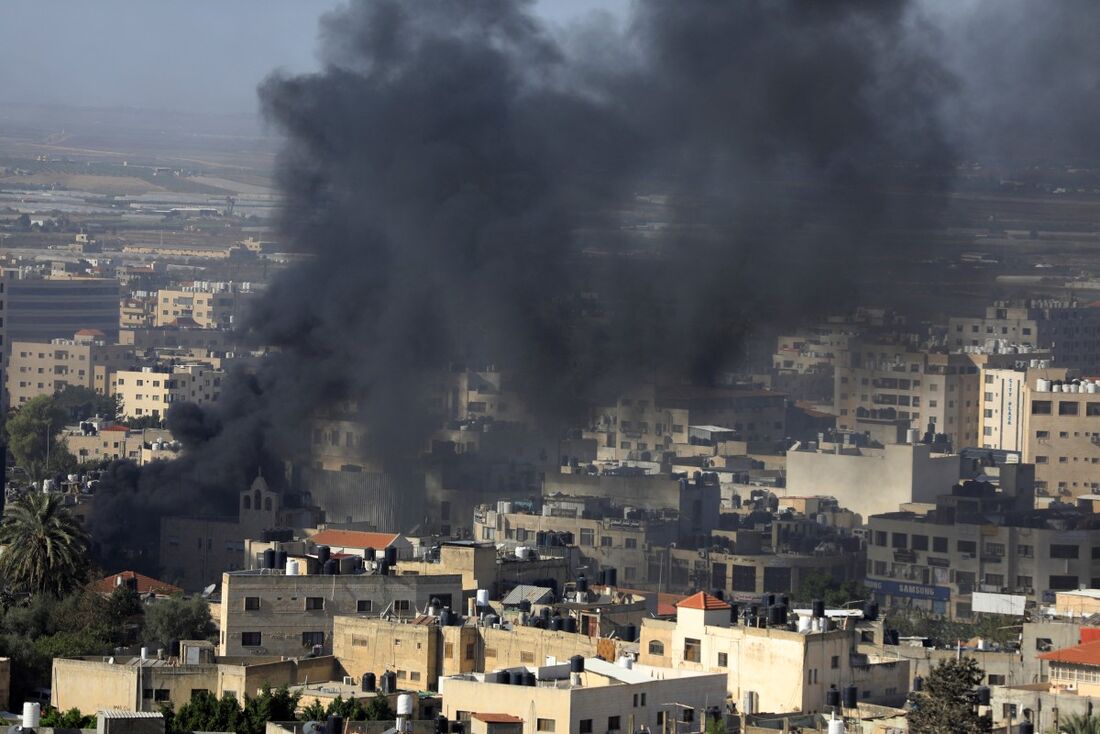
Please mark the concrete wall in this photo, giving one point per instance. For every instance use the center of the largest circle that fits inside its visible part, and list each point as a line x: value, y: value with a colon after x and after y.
x: 874, y: 483
x: 365, y: 644
x: 91, y: 686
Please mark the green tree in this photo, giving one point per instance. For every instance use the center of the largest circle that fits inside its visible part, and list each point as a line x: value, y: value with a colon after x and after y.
x: 142, y: 422
x: 947, y: 703
x: 30, y: 430
x: 71, y: 719
x: 177, y: 619
x: 379, y: 708
x: 822, y: 585
x: 46, y: 549
x: 79, y: 403
x: 1077, y: 724
x: 269, y: 705
x: 315, y: 711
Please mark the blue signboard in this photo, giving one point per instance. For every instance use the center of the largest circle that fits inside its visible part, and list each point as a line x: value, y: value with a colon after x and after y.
x: 910, y: 591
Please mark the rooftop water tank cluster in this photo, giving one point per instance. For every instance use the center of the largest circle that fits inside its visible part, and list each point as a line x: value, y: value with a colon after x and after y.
x: 1083, y: 385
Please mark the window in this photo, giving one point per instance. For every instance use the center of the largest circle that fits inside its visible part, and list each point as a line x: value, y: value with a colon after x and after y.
x: 402, y: 605
x: 1040, y: 407
x: 834, y: 663
x: 250, y: 639
x: 544, y: 724
x: 588, y: 536
x: 1024, y: 582
x: 1042, y: 459
x: 605, y: 541
x: 899, y: 540
x: 939, y: 545
x: 251, y: 603
x: 723, y: 660
x: 1092, y: 409
x: 1063, y: 583
x: 692, y: 650
x: 309, y: 639
x: 630, y: 543
x: 1042, y: 434
x: 1063, y: 551
x: 314, y: 603
x: 689, y: 715
x: 1066, y: 407
x: 614, y: 723
x: 656, y: 647
x: 995, y: 549
x: 919, y: 542
x: 364, y: 606
x: 880, y: 538
x: 966, y: 546
x: 586, y: 726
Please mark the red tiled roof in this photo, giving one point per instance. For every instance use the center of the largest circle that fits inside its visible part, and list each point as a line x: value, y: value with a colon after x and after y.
x: 354, y: 539
x: 498, y: 718
x: 114, y: 428
x: 703, y: 600
x: 1087, y: 653
x: 90, y: 332
x: 145, y: 584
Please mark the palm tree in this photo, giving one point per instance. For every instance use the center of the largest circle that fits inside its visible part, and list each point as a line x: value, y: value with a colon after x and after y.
x: 45, y: 548
x: 1078, y: 724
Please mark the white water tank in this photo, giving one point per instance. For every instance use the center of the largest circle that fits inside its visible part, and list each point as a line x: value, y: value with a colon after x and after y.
x: 1042, y: 385
x: 912, y: 435
x: 32, y: 715
x: 144, y: 653
x: 1091, y: 387
x: 805, y: 623
x: 292, y: 568
x: 836, y: 726
x: 483, y: 597
x: 625, y: 661
x: 405, y: 704
x: 504, y: 507
x: 523, y: 552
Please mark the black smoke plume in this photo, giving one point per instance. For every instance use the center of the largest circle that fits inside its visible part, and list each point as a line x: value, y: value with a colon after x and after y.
x: 583, y: 211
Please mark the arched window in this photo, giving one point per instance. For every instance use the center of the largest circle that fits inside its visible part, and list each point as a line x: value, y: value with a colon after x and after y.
x: 247, y: 502
x: 256, y: 500
x: 267, y: 504
x: 656, y: 648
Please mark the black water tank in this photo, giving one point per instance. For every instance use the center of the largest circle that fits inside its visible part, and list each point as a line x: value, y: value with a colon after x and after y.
x: 515, y: 677
x: 383, y: 568
x: 457, y: 727
x: 735, y: 612
x: 630, y: 633
x: 330, y: 567
x: 785, y: 601
x: 719, y: 594
x: 570, y: 625
x: 525, y: 605
x: 918, y: 683
x: 832, y: 697
x: 368, y: 554
x: 576, y: 664
x: 546, y: 613
x: 391, y: 555
x: 529, y: 679
x: 891, y: 637
x: 556, y: 624
x: 768, y: 599
x: 540, y: 539
x: 323, y: 554
x: 268, y: 558
x: 817, y: 608
x: 280, y: 559
x: 850, y: 696
x: 445, y: 617
x: 1025, y: 727
x: 334, y: 725
x: 781, y: 614
x: 983, y: 696
x: 389, y: 682
x: 869, y: 613
x: 582, y: 584
x: 174, y: 648
x: 612, y: 577
x: 441, y: 724
x: 369, y: 683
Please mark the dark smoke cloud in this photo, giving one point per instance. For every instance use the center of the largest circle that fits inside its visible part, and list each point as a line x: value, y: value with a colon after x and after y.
x: 467, y: 186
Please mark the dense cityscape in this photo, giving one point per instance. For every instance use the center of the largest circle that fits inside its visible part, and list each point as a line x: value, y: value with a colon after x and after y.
x: 633, y: 367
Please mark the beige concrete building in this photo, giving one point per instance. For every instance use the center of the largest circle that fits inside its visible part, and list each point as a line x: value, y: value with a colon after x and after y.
x: 481, y: 566
x: 604, y: 697
x: 132, y: 684
x: 137, y: 313
x: 1062, y: 432
x: 208, y: 305
x: 1070, y: 330
x: 45, y: 368
x: 870, y: 480
x: 269, y: 612
x: 119, y: 442
x: 150, y: 392
x: 780, y: 669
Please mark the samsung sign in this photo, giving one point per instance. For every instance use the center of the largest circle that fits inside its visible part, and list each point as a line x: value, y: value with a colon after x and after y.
x: 910, y: 591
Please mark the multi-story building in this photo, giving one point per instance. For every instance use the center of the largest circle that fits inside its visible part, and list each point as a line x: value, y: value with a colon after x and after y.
x: 901, y: 383
x: 109, y: 442
x: 978, y: 539
x: 269, y: 612
x: 205, y: 305
x: 602, y: 697
x: 781, y: 669
x: 137, y: 313
x: 45, y: 368
x: 151, y: 392
x: 1068, y: 329
x: 39, y: 309
x: 804, y: 363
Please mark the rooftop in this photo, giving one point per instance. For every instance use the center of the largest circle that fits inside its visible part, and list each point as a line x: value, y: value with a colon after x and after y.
x: 354, y: 539
x: 1087, y: 653
x: 703, y: 601
x: 145, y: 584
x: 497, y: 718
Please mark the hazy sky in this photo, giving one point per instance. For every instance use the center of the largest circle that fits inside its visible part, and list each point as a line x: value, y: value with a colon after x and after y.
x: 199, y: 55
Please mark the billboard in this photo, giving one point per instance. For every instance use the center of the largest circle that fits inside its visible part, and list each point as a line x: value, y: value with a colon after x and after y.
x: 1012, y: 604
x: 911, y: 591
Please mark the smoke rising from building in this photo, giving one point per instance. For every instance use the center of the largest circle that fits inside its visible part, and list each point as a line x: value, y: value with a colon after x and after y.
x: 583, y: 212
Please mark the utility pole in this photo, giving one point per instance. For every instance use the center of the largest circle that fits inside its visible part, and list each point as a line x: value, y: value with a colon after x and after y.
x: 48, y: 423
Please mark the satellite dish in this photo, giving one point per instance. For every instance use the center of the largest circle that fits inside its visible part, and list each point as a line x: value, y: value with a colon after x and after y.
x: 209, y: 590
x: 313, y: 727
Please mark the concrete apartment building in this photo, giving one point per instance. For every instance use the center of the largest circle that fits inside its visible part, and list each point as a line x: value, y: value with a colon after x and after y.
x: 151, y: 392
x: 643, y: 425
x: 270, y: 612
x: 205, y: 305
x: 781, y: 669
x: 603, y: 697
x: 870, y: 480
x: 83, y: 360
x: 118, y: 442
x: 39, y: 309
x: 804, y: 363
x: 978, y: 539
x: 1068, y: 329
